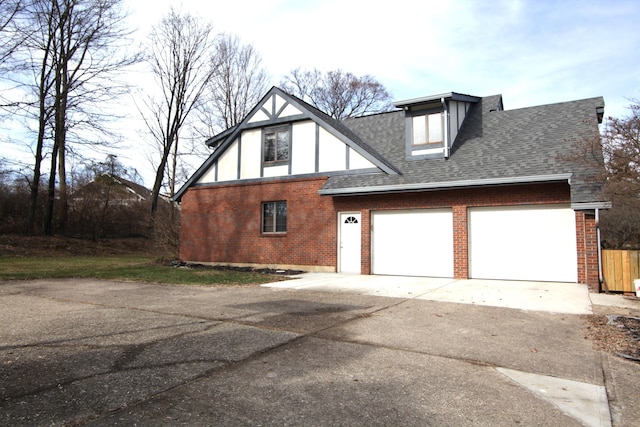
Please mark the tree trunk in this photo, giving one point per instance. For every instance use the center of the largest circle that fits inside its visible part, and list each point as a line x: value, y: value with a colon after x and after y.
x: 158, y: 182
x: 43, y: 116
x: 51, y: 193
x: 33, y: 196
x: 35, y: 184
x: 62, y: 91
x: 172, y: 189
x: 63, y: 204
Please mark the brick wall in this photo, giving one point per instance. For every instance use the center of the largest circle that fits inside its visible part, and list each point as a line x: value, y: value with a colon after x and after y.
x: 222, y: 223
x: 587, y: 243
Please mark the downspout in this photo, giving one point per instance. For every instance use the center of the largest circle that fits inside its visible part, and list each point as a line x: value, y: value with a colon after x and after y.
x: 601, y: 280
x: 445, y: 125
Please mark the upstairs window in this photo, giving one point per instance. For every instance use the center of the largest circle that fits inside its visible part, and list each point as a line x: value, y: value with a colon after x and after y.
x: 276, y: 145
x: 274, y: 217
x: 427, y: 129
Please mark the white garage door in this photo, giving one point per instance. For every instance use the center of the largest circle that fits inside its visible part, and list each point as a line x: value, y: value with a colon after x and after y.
x: 413, y: 243
x: 524, y: 243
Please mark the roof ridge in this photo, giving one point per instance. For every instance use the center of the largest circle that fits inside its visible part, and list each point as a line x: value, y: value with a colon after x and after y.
x: 559, y: 103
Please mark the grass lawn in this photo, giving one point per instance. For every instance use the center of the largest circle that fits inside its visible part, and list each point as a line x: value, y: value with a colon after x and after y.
x: 123, y: 267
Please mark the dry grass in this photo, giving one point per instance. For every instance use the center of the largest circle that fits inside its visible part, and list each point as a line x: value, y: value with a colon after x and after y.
x: 28, y: 258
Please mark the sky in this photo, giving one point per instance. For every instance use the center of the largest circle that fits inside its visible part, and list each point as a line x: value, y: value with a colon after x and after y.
x: 531, y: 52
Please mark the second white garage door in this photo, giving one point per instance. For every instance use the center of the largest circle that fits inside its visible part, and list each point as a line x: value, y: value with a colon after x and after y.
x: 413, y: 243
x: 523, y: 243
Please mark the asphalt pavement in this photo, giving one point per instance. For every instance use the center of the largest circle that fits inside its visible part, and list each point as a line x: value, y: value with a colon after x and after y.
x: 89, y: 352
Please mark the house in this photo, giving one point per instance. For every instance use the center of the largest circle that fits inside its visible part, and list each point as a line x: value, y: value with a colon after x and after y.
x: 110, y: 206
x: 116, y: 189
x: 450, y: 185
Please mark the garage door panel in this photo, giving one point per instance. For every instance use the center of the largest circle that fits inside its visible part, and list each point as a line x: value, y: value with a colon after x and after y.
x: 525, y: 243
x: 413, y: 243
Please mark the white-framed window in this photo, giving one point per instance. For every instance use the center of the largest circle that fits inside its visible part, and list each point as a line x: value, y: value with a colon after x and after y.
x: 274, y: 217
x: 427, y: 129
x: 276, y: 145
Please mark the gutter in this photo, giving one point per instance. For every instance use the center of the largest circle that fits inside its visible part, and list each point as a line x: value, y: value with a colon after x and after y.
x: 445, y: 126
x: 587, y: 206
x: 394, y: 188
x: 601, y: 280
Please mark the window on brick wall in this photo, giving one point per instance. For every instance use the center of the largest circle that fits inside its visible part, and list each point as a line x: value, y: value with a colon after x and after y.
x: 274, y: 217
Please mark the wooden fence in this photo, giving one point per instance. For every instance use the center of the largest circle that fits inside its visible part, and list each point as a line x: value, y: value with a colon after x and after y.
x: 620, y: 269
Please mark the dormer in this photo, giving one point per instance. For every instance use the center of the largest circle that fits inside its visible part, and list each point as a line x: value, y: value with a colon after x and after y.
x: 432, y: 123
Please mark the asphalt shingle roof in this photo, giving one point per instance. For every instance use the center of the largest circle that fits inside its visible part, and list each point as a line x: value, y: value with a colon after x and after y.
x: 491, y: 145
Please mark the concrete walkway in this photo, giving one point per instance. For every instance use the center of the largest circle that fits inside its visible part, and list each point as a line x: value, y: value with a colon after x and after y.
x: 570, y: 298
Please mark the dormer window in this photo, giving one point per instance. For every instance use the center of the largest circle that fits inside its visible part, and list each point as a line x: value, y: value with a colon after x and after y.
x: 432, y: 123
x: 427, y: 129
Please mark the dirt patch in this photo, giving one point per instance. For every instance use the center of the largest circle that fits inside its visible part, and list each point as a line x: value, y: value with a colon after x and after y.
x: 617, y: 334
x: 55, y: 246
x: 197, y: 266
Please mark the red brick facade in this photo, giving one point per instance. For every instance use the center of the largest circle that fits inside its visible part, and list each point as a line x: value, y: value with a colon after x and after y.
x: 587, y: 241
x: 222, y: 223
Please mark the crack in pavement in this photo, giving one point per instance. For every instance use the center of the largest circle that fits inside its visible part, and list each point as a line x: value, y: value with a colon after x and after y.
x: 131, y: 357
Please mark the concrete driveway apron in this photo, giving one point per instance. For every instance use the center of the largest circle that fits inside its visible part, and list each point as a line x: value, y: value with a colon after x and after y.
x: 87, y: 352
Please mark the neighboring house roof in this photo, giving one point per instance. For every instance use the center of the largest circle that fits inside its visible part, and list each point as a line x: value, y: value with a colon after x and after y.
x: 494, y: 146
x: 130, y: 188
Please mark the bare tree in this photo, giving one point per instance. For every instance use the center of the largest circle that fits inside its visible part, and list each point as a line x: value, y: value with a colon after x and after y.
x: 11, y: 37
x: 39, y: 47
x: 339, y: 94
x: 70, y: 55
x: 621, y: 144
x: 615, y: 151
x: 237, y: 85
x: 621, y: 147
x: 181, y: 48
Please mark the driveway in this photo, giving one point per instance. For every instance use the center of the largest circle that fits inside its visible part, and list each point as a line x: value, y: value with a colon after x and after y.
x: 570, y: 298
x: 88, y: 352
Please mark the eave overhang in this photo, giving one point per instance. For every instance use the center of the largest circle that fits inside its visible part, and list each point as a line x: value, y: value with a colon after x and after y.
x: 431, y: 186
x: 589, y: 206
x: 435, y: 98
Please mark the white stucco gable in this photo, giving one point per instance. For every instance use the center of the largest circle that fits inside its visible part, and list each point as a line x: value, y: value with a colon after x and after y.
x: 283, y: 136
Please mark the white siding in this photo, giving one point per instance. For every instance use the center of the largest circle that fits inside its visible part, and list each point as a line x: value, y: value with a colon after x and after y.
x: 209, y: 176
x: 427, y: 151
x: 303, y: 152
x: 280, y: 101
x: 274, y: 171
x: 259, y: 116
x: 250, y: 158
x: 290, y: 110
x: 333, y: 154
x: 228, y: 163
x: 313, y: 149
x: 357, y: 161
